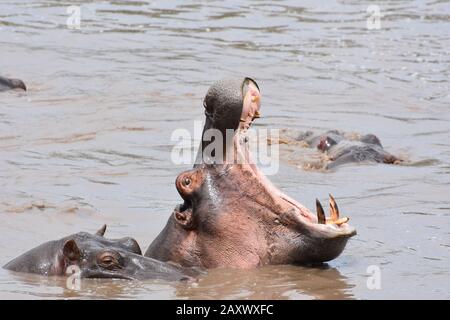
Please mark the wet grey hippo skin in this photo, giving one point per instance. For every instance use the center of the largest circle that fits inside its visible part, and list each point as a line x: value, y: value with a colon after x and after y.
x: 96, y: 257
x: 342, y: 150
x: 8, y: 84
x: 231, y: 214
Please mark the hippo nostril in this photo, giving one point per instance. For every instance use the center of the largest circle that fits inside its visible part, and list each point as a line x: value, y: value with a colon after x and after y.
x: 321, y: 145
x: 183, y: 215
x: 186, y: 182
x: 180, y: 216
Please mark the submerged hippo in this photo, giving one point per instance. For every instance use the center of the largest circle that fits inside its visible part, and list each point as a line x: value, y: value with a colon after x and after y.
x: 343, y: 149
x: 96, y: 257
x: 232, y: 215
x: 8, y: 84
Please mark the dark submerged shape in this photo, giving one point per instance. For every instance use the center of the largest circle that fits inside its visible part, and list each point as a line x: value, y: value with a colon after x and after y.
x: 97, y: 257
x: 232, y: 215
x: 8, y: 84
x: 341, y: 150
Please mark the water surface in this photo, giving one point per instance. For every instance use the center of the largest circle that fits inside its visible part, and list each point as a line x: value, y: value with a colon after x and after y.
x: 89, y: 143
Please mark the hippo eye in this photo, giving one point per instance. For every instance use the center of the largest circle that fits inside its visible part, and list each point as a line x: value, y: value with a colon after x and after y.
x: 186, y: 182
x: 108, y: 260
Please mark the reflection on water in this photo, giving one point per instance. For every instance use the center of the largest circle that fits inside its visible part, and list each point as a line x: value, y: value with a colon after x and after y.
x: 89, y: 143
x: 30, y: 286
x: 270, y: 282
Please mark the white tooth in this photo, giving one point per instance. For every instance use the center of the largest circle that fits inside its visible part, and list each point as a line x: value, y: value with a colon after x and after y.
x: 340, y: 221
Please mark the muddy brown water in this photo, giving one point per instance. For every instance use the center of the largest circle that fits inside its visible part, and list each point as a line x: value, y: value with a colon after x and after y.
x: 89, y: 143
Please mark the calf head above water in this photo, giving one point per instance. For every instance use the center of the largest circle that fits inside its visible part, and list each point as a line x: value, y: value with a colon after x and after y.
x: 95, y: 257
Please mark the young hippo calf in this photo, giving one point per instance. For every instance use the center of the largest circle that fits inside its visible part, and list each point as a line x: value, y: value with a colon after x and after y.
x: 96, y: 257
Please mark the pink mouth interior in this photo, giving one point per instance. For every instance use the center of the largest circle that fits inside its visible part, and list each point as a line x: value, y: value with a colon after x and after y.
x: 283, y: 201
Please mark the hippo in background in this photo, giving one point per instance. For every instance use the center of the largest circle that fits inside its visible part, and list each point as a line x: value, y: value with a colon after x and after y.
x: 9, y: 84
x: 96, y: 257
x: 339, y: 148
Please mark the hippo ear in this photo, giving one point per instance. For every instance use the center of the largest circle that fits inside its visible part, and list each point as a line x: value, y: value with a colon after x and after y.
x: 71, y: 250
x: 101, y: 231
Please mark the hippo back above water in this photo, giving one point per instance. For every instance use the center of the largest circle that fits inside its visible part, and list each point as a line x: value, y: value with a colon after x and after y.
x: 10, y: 84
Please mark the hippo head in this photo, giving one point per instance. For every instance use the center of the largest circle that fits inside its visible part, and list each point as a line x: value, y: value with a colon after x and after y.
x: 329, y: 139
x: 232, y: 215
x: 93, y: 256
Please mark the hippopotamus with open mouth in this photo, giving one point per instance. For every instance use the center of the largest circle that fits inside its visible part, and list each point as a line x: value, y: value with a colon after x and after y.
x: 8, y: 84
x: 232, y: 215
x: 96, y: 257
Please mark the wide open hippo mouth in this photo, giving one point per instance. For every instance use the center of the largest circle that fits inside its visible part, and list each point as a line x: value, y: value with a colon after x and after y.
x: 240, y: 164
x: 232, y: 214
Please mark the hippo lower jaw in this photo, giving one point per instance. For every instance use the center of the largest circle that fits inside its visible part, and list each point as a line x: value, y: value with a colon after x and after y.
x: 307, y: 223
x: 307, y: 241
x: 317, y: 241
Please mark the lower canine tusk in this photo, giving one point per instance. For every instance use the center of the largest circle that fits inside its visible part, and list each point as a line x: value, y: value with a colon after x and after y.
x: 334, y: 210
x: 320, y: 213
